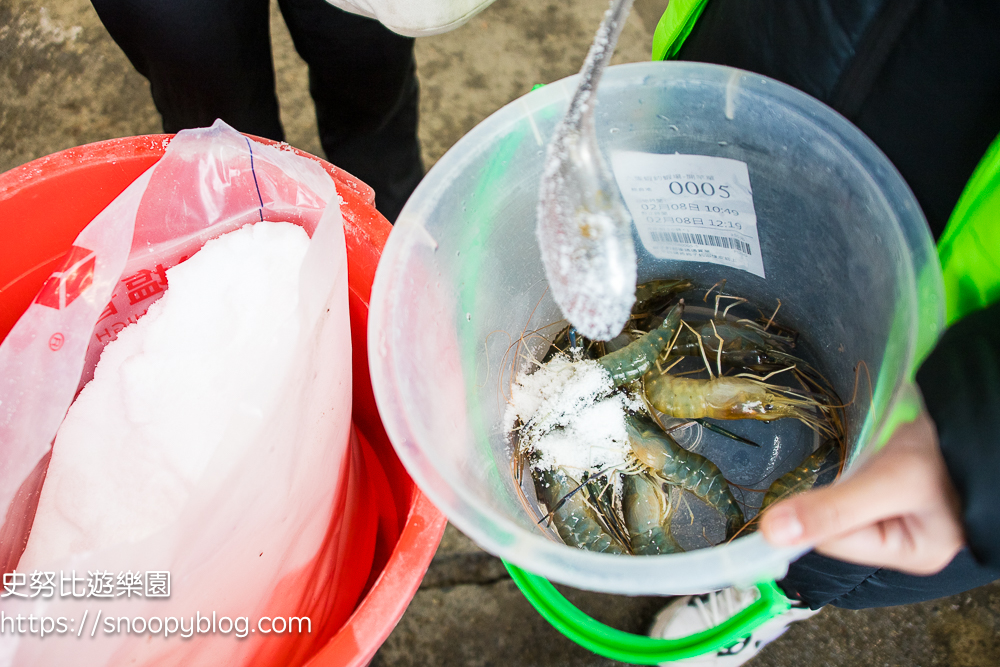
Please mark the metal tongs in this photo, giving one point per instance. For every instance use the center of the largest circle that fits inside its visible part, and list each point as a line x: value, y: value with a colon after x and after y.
x: 584, y: 230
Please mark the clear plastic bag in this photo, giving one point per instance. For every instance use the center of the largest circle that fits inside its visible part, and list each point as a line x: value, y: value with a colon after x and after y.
x: 260, y: 532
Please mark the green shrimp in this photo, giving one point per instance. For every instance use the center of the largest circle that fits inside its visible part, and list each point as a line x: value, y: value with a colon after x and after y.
x: 574, y: 518
x: 801, y: 478
x: 648, y: 512
x: 690, y: 471
x: 633, y: 361
x: 656, y: 294
x: 733, y: 397
x: 740, y: 340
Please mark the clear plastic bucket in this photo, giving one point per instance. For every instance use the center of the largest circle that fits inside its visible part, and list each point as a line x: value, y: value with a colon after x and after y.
x: 844, y: 246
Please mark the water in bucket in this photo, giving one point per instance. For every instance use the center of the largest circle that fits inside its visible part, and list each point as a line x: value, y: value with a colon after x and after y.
x: 839, y: 238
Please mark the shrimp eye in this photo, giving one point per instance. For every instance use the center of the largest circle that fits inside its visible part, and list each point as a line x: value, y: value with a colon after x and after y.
x: 769, y: 407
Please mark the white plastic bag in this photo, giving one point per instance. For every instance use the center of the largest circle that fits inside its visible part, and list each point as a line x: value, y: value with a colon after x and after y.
x: 248, y: 538
x: 416, y: 18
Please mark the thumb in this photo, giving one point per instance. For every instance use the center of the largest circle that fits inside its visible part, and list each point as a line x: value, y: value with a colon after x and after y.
x: 900, y: 510
x: 896, y: 482
x: 823, y: 514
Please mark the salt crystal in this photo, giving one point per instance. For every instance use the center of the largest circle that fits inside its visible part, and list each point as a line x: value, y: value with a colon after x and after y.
x: 571, y: 415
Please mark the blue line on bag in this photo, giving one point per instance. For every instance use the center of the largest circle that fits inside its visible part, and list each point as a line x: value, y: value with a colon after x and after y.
x: 260, y: 211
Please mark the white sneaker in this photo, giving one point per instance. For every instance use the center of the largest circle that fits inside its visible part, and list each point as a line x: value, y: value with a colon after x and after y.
x: 688, y: 615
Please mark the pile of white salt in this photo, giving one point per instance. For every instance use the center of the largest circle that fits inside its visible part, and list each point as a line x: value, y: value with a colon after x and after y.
x: 570, y: 416
x: 207, y: 356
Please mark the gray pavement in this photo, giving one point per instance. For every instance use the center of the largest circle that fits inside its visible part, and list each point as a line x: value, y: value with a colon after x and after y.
x: 63, y: 82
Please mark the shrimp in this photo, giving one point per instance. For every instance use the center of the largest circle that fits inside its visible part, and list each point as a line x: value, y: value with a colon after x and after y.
x: 569, y: 340
x: 632, y: 361
x: 736, y: 337
x: 653, y: 296
x: 745, y: 346
x: 687, y: 470
x: 574, y: 518
x: 649, y: 297
x: 647, y: 515
x: 731, y: 397
x: 801, y: 478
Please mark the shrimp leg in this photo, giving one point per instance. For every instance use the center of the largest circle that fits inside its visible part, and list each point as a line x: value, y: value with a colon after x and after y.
x: 736, y: 339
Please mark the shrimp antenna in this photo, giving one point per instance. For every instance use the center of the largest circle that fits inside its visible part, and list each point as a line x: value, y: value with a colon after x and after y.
x: 767, y: 377
x: 503, y: 360
x: 828, y: 390
x: 714, y: 428
x: 517, y: 464
x: 520, y: 340
x: 871, y: 389
x: 611, y: 519
x: 525, y: 336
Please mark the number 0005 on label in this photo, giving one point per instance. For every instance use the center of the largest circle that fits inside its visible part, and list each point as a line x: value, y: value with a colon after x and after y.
x: 691, y: 207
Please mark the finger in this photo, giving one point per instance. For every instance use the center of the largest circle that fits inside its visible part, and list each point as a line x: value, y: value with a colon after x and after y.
x: 904, y: 544
x: 886, y: 487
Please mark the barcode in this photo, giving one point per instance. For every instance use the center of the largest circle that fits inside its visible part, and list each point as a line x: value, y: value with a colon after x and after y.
x: 701, y: 239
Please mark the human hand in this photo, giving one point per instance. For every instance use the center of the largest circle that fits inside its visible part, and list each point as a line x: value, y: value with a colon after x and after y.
x: 899, y: 510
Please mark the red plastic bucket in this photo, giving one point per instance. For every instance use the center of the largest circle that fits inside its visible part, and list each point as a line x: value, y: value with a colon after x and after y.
x: 44, y: 205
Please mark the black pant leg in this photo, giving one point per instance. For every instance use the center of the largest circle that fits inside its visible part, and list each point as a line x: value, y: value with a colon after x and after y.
x: 363, y: 79
x: 205, y: 59
x: 818, y: 581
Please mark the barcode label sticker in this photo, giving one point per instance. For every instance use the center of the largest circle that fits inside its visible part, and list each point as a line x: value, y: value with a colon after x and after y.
x: 691, y: 207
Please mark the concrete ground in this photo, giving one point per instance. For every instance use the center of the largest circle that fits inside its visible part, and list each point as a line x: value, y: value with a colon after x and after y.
x: 63, y: 82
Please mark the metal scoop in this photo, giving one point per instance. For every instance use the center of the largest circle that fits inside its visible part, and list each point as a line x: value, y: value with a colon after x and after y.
x: 584, y: 230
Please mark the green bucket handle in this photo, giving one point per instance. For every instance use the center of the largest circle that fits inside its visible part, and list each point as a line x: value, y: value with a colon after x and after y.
x: 639, y: 649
